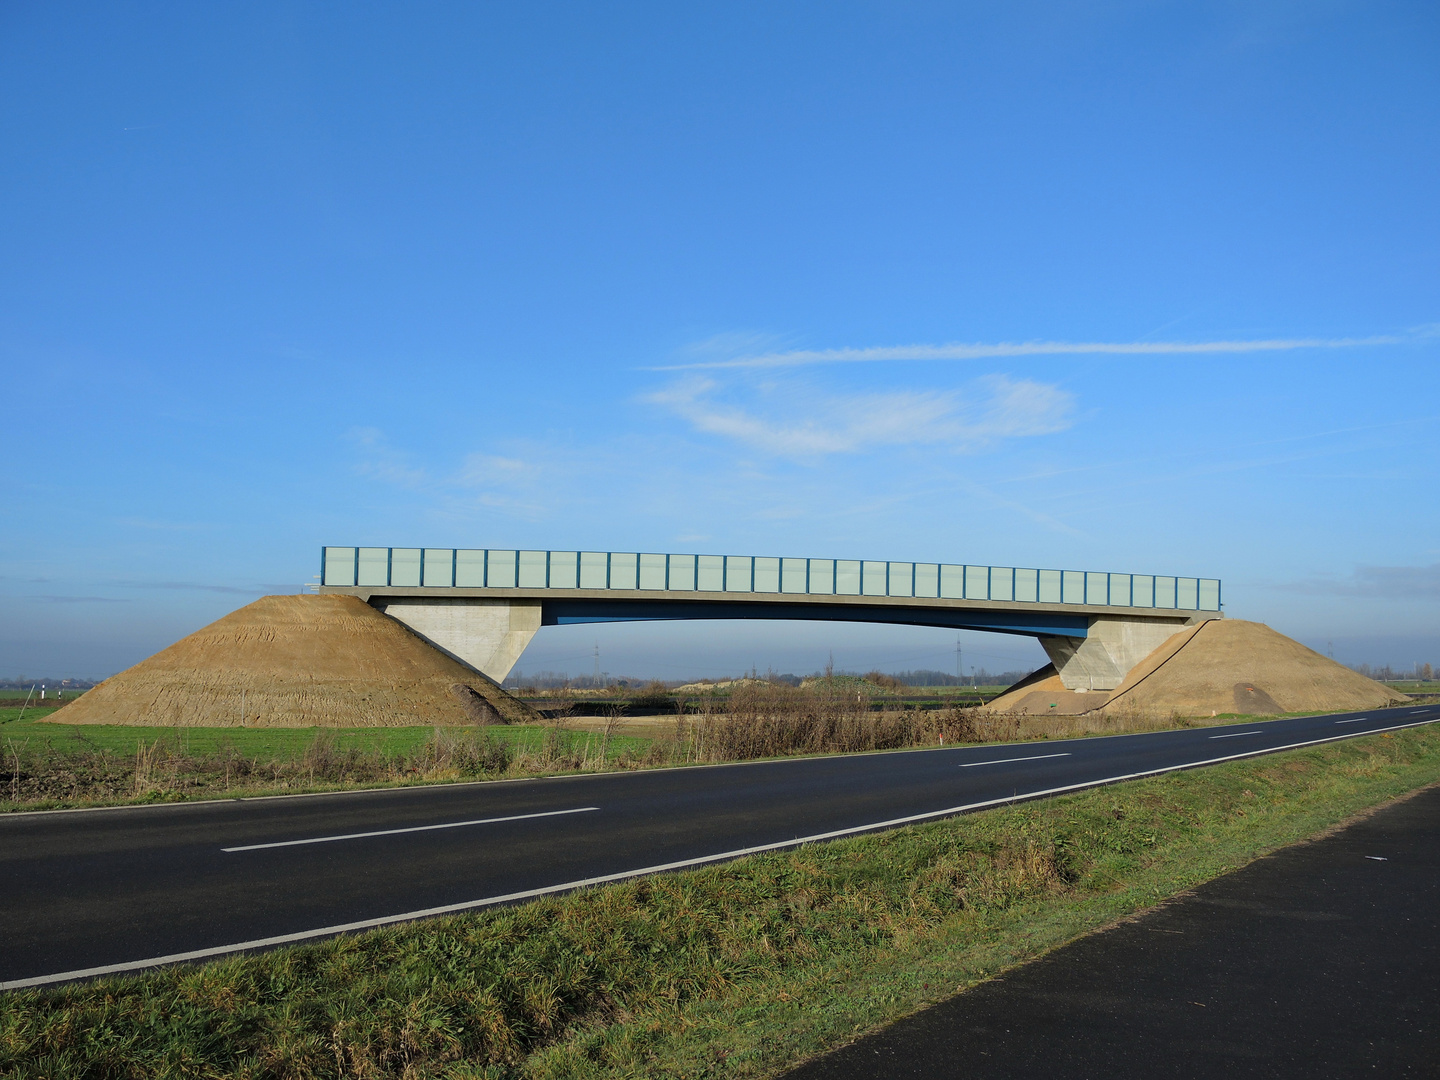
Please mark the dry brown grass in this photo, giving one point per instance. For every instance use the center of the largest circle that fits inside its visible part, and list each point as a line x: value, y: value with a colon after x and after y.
x: 775, y: 720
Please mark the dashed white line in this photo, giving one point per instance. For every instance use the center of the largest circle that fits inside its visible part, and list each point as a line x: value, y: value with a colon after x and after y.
x: 1354, y: 721
x: 1237, y: 734
x: 413, y: 828
x: 1007, y: 760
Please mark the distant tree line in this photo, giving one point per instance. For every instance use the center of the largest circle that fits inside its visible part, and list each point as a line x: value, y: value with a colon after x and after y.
x: 559, y: 680
x: 25, y: 682
x: 1418, y: 673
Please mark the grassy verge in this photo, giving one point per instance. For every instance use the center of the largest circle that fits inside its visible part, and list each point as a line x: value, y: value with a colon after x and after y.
x: 734, y: 970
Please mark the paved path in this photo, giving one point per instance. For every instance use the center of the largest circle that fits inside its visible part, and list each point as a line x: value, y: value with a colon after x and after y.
x: 88, y: 892
x: 1321, y: 961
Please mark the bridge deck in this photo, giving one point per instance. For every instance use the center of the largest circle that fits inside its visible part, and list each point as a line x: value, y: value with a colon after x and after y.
x: 608, y: 586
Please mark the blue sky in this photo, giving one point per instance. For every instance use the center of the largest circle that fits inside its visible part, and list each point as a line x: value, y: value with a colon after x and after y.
x: 1140, y: 287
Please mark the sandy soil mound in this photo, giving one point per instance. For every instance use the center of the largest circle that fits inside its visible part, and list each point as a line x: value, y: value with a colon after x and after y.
x: 1231, y: 666
x: 1042, y: 693
x: 1221, y: 666
x: 298, y: 661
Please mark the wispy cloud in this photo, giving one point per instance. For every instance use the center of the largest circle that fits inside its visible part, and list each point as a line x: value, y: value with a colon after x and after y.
x: 1002, y: 349
x: 795, y: 421
x: 1381, y: 582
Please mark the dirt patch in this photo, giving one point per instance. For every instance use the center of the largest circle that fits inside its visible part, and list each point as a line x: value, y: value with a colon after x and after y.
x: 298, y: 661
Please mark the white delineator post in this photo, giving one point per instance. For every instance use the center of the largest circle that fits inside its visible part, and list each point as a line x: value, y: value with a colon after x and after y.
x: 487, y: 635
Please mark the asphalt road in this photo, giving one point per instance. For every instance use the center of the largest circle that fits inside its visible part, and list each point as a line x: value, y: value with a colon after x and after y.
x: 1321, y: 961
x: 84, y: 893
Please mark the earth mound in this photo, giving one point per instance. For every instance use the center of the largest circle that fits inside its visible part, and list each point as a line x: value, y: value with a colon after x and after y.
x: 1221, y: 666
x: 298, y: 661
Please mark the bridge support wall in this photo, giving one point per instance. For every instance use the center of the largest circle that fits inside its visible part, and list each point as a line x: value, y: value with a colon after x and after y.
x: 489, y: 635
x: 1108, y: 652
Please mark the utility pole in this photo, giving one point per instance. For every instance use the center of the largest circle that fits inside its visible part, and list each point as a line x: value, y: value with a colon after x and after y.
x: 959, y: 676
x: 597, y: 664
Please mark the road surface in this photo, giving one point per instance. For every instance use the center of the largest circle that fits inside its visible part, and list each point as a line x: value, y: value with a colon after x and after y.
x: 91, y: 892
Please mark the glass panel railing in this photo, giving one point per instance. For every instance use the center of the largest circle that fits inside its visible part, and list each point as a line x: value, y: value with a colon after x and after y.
x: 822, y: 577
x: 337, y: 567
x: 793, y: 577
x: 710, y: 573
x: 372, y: 566
x: 594, y: 570
x: 767, y: 574
x: 533, y: 572
x: 682, y: 572
x: 430, y: 568
x: 739, y: 573
x: 405, y: 567
x: 564, y: 569
x: 652, y: 572
x: 624, y: 569
x: 1209, y: 594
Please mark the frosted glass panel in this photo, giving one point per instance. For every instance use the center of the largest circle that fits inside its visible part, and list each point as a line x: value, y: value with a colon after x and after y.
x: 1002, y: 583
x: 532, y: 570
x: 902, y: 579
x: 927, y: 579
x: 1097, y: 588
x: 682, y: 572
x: 1027, y: 585
x: 500, y: 569
x: 470, y: 569
x: 652, y: 571
x: 710, y: 573
x: 977, y: 583
x: 1049, y: 586
x: 1187, y: 593
x: 564, y: 569
x: 594, y: 570
x: 1165, y: 592
x: 1072, y: 587
x: 1142, y: 590
x: 822, y: 576
x: 623, y: 569
x: 340, y: 566
x: 792, y: 575
x: 737, y: 573
x: 374, y: 567
x: 952, y: 581
x: 439, y: 568
x: 1209, y: 594
x: 767, y: 574
x: 1120, y: 590
x: 872, y: 578
x: 405, y: 567
x: 847, y: 577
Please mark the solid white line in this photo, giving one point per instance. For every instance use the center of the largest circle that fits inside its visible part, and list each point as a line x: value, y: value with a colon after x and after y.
x: 490, y: 901
x: 1237, y: 734
x: 413, y: 828
x: 1007, y: 760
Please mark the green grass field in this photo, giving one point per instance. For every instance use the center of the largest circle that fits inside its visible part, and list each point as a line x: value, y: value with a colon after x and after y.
x: 277, y: 743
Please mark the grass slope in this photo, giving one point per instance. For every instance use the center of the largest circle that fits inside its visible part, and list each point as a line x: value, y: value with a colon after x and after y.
x: 734, y: 970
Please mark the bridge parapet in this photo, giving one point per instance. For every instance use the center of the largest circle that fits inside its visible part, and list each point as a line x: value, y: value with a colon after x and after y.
x: 419, y: 570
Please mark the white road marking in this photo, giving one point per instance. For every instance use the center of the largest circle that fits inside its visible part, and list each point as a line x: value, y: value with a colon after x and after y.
x: 1237, y: 734
x: 570, y: 886
x: 415, y: 828
x: 1007, y: 760
x: 1355, y: 721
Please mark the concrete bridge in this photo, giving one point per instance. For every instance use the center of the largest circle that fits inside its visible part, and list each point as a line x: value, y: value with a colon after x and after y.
x: 482, y: 606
